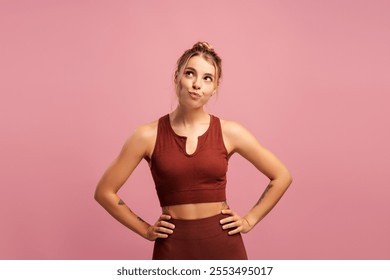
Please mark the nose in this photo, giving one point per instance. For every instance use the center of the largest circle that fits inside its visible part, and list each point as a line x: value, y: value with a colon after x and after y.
x: 196, y: 83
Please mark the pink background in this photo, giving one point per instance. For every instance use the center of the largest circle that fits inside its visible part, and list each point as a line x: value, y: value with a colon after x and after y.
x: 310, y: 79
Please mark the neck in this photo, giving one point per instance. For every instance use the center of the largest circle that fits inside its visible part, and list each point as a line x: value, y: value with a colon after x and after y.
x: 189, y: 117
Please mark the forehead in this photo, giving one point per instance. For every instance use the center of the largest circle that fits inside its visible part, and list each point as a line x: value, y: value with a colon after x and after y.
x: 200, y: 64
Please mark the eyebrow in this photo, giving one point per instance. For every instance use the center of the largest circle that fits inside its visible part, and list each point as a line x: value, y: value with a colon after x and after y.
x: 195, y: 71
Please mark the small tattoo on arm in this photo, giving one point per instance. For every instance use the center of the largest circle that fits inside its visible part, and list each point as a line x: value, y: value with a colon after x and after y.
x: 264, y: 194
x: 121, y: 202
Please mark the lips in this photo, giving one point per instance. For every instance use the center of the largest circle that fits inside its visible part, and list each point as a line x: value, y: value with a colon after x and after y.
x: 194, y: 94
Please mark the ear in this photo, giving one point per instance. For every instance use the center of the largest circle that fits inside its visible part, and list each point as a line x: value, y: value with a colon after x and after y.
x: 176, y: 75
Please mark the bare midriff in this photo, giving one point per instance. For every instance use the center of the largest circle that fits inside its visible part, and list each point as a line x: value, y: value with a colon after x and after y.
x: 195, y: 211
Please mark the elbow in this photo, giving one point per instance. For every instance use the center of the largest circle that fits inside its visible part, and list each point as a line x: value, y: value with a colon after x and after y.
x: 290, y: 182
x: 103, y: 195
x: 98, y: 196
x: 288, y: 179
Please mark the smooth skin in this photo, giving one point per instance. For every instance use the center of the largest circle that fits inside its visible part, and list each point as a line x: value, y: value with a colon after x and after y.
x: 197, y: 85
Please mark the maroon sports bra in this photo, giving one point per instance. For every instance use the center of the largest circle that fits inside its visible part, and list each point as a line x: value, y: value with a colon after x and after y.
x: 182, y: 178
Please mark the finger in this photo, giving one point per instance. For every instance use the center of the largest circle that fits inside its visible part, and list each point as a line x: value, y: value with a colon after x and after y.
x: 166, y: 224
x: 164, y: 230
x: 231, y: 225
x: 161, y: 232
x: 235, y: 231
x: 229, y: 219
x: 165, y: 217
x: 154, y: 234
x: 226, y: 220
x: 161, y: 235
x: 227, y: 211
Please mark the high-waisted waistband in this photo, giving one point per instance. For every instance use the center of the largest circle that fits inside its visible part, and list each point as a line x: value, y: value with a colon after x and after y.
x: 199, y: 228
x: 201, y: 239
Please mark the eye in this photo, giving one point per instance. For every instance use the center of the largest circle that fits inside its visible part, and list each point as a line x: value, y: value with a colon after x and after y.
x: 208, y: 77
x: 188, y: 73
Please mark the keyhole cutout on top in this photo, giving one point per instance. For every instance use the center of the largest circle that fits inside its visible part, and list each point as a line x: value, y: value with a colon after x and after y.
x: 191, y: 145
x: 192, y: 140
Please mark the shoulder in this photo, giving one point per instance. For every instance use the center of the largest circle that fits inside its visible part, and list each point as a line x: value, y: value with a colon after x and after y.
x: 236, y: 136
x: 232, y: 128
x: 141, y: 140
x: 145, y: 131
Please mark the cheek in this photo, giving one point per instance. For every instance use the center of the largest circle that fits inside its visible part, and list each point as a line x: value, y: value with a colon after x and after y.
x: 184, y: 84
x: 209, y: 89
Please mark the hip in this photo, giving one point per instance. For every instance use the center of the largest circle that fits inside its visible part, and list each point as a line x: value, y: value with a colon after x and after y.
x: 200, y: 239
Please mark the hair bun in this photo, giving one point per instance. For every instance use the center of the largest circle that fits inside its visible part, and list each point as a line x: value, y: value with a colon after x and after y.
x: 203, y: 45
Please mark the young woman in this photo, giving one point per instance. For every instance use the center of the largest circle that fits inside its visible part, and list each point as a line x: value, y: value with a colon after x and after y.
x: 188, y: 152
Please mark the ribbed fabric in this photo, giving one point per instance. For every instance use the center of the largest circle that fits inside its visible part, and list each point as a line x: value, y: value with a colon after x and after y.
x: 182, y: 178
x: 202, y: 239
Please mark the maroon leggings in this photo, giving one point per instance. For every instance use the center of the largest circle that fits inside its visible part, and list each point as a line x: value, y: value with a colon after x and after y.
x: 202, y: 239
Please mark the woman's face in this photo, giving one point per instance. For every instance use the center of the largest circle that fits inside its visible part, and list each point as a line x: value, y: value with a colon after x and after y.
x: 198, y: 83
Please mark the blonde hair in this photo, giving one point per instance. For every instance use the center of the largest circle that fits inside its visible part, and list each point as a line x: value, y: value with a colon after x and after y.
x: 204, y: 50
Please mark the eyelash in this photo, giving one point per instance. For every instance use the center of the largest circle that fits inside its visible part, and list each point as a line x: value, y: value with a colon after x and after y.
x: 189, y: 71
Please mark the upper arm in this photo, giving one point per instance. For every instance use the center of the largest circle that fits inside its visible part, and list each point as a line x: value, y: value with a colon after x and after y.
x: 136, y: 147
x: 240, y: 140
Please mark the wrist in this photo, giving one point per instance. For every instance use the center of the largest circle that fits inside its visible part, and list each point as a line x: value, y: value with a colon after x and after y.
x: 146, y: 233
x: 250, y: 222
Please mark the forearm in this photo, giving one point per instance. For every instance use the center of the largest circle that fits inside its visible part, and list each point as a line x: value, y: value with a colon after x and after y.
x: 121, y: 212
x: 270, y: 197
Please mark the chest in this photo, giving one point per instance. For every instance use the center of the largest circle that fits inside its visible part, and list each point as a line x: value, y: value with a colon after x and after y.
x: 190, y: 137
x: 206, y: 164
